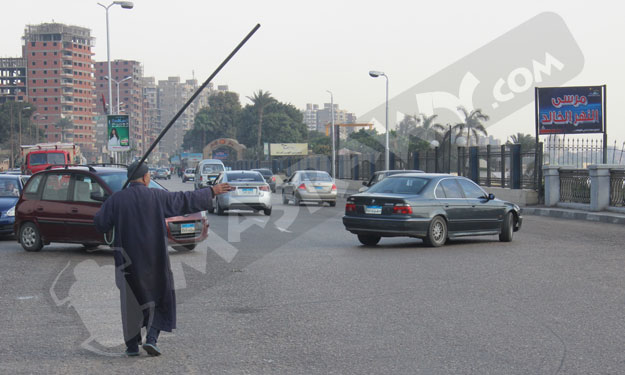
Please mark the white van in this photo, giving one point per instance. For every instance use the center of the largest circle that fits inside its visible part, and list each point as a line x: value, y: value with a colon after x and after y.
x: 207, y: 171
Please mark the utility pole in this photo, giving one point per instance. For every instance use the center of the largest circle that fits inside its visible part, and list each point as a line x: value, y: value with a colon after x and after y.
x: 12, y: 158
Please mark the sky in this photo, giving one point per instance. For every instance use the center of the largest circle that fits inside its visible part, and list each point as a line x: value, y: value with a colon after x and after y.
x: 304, y: 49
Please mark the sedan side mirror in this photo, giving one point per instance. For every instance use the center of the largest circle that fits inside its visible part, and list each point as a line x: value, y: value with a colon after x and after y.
x: 491, y: 196
x: 364, y: 183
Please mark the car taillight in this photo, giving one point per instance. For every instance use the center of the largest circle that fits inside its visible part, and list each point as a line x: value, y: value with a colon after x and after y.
x: 264, y: 188
x: 350, y: 207
x: 402, y: 209
x: 333, y: 187
x: 273, y: 178
x: 302, y: 187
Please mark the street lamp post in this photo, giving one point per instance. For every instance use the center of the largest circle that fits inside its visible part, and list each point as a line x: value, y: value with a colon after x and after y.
x: 124, y: 5
x: 117, y: 84
x: 375, y: 74
x: 333, y: 137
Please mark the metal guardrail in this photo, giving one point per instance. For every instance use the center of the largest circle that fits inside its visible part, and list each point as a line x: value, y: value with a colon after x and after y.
x: 617, y: 188
x: 575, y: 186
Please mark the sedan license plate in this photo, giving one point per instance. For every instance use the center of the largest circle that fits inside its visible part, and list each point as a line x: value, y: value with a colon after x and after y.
x: 373, y: 210
x: 247, y: 191
x: 187, y: 228
x: 319, y: 187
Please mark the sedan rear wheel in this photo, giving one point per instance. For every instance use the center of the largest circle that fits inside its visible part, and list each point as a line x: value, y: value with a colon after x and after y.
x: 285, y: 200
x: 267, y: 211
x: 296, y: 200
x: 368, y: 239
x: 30, y: 238
x: 507, y: 228
x: 437, y: 233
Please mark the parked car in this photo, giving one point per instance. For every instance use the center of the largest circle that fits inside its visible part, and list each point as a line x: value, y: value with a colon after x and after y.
x: 251, y: 192
x: 381, y: 175
x: 188, y: 175
x: 206, y: 172
x: 433, y: 207
x: 10, y: 190
x: 58, y: 205
x: 269, y: 177
x: 161, y: 173
x: 309, y: 186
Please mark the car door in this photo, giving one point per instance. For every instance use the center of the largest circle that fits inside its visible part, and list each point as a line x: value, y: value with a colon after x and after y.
x: 51, y: 211
x: 453, y: 203
x: 82, y: 209
x: 484, y: 213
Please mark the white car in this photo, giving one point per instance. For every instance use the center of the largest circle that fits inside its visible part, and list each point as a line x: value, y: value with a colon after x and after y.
x: 188, y: 175
x: 251, y: 192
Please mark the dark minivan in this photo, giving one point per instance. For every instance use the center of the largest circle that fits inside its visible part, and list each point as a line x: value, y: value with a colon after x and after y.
x: 59, y: 204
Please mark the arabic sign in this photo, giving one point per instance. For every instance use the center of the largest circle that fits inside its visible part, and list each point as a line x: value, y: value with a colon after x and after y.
x: 288, y: 149
x: 118, y: 133
x: 191, y: 157
x: 570, y: 110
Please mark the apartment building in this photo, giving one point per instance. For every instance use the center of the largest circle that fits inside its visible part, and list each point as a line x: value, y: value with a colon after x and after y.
x: 60, y: 74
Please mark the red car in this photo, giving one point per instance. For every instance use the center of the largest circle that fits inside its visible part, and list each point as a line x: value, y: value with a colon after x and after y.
x: 59, y: 204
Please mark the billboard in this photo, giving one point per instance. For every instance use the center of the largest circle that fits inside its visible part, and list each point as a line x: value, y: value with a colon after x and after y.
x: 570, y: 110
x: 191, y: 157
x: 288, y: 149
x: 118, y: 135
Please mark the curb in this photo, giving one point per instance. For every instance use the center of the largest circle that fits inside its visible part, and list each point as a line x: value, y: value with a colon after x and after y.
x: 598, y: 217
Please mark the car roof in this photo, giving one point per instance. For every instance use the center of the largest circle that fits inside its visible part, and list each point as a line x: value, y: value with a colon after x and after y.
x: 424, y: 175
x: 211, y: 161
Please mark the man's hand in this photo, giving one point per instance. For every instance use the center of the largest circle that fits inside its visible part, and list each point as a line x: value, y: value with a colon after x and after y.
x: 222, y: 188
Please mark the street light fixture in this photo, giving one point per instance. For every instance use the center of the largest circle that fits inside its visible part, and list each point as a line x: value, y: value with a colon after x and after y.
x: 117, y: 84
x: 376, y: 74
x: 333, y: 137
x: 124, y: 5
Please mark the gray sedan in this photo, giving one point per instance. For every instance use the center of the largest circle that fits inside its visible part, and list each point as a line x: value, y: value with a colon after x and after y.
x: 309, y: 186
x: 433, y: 207
x: 251, y: 193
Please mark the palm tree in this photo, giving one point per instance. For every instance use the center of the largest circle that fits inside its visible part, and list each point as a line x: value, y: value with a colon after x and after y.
x: 65, y: 124
x: 261, y: 100
x: 526, y: 141
x: 428, y: 127
x: 473, y: 123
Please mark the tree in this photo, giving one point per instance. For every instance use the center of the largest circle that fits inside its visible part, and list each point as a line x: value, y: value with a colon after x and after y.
x: 282, y: 123
x: 65, y: 124
x: 408, y: 125
x: 428, y: 127
x: 526, y: 141
x: 219, y: 120
x: 472, y: 123
x: 260, y: 100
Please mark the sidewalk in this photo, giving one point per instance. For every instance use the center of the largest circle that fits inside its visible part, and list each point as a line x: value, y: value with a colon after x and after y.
x: 566, y: 213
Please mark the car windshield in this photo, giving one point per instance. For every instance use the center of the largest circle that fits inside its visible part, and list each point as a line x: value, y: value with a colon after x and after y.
x: 244, y: 176
x: 9, y: 187
x: 47, y: 158
x: 189, y: 171
x: 265, y: 172
x: 162, y: 170
x: 400, y: 185
x: 316, y: 176
x: 212, y: 168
